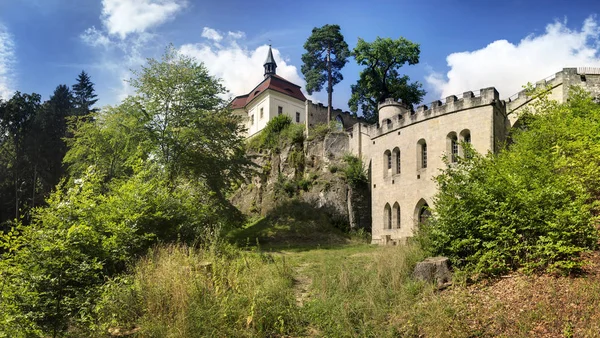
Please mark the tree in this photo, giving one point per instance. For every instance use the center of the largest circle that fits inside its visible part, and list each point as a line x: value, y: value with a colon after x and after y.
x: 188, y: 123
x: 326, y: 54
x: 381, y: 79
x: 17, y: 117
x: 84, y: 95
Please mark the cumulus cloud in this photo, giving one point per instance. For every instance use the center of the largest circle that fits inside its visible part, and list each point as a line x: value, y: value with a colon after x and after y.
x: 509, y: 66
x: 95, y: 38
x: 7, y: 60
x: 123, y: 17
x: 240, y: 68
x: 211, y: 34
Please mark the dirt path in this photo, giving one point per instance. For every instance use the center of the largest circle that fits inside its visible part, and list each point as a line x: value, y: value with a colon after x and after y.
x: 301, y: 284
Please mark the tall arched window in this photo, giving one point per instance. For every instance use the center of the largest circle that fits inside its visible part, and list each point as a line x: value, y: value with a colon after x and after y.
x: 396, y: 160
x: 387, y: 163
x: 465, y: 136
x: 397, y: 215
x: 387, y: 216
x: 422, y: 154
x: 452, y: 147
x: 424, y: 214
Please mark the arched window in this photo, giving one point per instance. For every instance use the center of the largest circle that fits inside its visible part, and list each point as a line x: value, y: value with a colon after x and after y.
x: 452, y: 147
x: 387, y: 216
x: 389, y: 123
x: 421, y: 154
x: 424, y: 214
x: 396, y: 160
x: 465, y: 136
x: 397, y: 215
x: 421, y: 212
x: 387, y: 163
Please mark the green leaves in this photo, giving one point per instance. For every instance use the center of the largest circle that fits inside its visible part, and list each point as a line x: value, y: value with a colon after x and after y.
x: 533, y: 205
x: 380, y: 78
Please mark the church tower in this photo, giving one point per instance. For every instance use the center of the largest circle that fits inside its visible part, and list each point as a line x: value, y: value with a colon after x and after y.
x: 270, y: 64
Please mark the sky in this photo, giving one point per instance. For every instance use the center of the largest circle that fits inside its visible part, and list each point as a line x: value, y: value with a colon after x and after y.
x: 465, y: 45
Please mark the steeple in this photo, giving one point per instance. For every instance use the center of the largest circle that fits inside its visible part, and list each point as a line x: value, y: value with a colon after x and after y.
x: 270, y: 64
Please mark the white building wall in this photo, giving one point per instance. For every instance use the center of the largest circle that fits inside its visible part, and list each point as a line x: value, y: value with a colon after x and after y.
x: 290, y: 106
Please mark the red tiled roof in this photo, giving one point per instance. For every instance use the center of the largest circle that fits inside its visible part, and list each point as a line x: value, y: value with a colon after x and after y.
x: 273, y: 82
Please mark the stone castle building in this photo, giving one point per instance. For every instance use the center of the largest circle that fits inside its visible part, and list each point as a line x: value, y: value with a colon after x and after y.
x: 405, y: 150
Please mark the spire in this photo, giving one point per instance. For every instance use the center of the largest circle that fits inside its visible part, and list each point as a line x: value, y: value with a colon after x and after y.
x: 270, y: 64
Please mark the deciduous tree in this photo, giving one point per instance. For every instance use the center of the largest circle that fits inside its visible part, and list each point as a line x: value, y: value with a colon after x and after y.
x: 380, y: 78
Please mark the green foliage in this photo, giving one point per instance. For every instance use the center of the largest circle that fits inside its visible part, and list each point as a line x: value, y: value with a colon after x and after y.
x: 355, y: 172
x: 380, y: 79
x: 86, y: 234
x: 83, y: 95
x: 326, y: 55
x: 216, y: 290
x: 532, y: 206
x: 278, y: 132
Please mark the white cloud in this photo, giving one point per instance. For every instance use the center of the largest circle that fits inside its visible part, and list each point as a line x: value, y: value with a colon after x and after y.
x: 211, y: 34
x: 7, y: 60
x: 95, y: 38
x: 508, y: 67
x: 123, y: 17
x: 240, y: 68
x: 236, y: 35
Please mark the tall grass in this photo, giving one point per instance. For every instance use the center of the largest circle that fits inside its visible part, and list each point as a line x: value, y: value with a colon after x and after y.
x: 178, y: 291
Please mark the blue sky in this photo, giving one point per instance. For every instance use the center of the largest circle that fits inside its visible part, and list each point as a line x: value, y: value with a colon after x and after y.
x: 465, y: 45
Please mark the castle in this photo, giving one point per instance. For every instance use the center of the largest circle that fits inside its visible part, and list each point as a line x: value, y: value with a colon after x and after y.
x: 405, y: 150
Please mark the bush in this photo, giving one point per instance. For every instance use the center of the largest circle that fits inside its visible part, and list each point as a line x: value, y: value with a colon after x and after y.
x: 268, y: 138
x: 531, y: 206
x: 52, y: 269
x: 355, y: 172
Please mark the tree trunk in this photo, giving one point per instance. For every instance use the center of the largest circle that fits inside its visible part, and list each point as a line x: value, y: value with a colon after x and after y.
x: 351, y: 216
x: 329, y: 85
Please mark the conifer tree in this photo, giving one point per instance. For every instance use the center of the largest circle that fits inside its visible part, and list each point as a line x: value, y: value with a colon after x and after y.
x: 326, y: 54
x: 84, y: 96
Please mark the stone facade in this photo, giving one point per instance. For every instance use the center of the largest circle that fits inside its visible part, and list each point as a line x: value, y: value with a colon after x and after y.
x: 406, y: 149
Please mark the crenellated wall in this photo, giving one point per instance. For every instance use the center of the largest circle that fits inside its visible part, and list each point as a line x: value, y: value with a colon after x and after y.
x: 317, y: 114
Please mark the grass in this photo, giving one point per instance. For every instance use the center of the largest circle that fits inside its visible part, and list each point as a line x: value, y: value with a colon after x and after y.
x: 344, y: 290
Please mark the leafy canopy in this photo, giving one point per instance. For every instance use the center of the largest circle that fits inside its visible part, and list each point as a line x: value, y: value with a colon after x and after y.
x: 380, y: 79
x: 532, y: 206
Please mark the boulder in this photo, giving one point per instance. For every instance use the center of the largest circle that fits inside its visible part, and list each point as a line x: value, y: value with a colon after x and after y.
x: 434, y: 270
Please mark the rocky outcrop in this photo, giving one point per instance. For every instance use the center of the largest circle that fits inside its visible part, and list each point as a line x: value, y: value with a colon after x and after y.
x: 311, y: 173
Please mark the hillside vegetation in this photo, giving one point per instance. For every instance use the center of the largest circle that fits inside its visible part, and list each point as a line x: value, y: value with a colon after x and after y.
x: 141, y: 239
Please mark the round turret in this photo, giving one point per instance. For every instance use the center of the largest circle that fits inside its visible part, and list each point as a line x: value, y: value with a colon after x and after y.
x: 390, y: 109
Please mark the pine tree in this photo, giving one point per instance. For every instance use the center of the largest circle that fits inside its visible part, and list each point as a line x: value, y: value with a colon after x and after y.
x: 326, y: 55
x: 84, y: 97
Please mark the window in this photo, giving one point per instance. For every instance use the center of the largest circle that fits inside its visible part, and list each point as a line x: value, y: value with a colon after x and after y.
x: 387, y: 163
x: 297, y: 117
x: 465, y: 136
x: 421, y: 154
x: 454, y: 150
x: 389, y: 123
x: 452, y: 147
x: 261, y: 113
x: 279, y: 110
x: 396, y: 157
x: 397, y: 215
x: 424, y: 214
x: 387, y: 212
x: 252, y: 119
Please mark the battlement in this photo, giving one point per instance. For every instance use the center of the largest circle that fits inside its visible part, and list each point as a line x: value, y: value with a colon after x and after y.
x: 394, y: 115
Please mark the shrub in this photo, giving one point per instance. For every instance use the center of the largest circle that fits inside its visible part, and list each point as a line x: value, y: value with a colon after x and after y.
x: 355, y: 172
x: 531, y: 206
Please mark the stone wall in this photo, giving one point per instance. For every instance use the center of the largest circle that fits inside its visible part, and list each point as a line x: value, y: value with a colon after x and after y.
x: 317, y: 114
